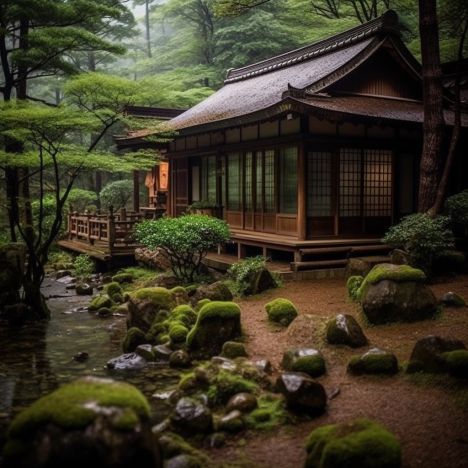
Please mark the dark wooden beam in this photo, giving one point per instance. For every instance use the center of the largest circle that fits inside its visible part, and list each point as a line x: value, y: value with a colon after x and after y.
x: 136, y: 191
x: 301, y: 193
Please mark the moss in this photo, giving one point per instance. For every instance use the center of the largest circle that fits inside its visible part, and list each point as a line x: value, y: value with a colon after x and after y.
x: 160, y: 297
x: 113, y: 288
x: 162, y: 338
x: 185, y: 314
x: 66, y: 407
x: 226, y: 385
x: 232, y: 350
x: 270, y: 413
x: 373, y: 363
x: 389, y: 271
x: 99, y: 302
x: 457, y: 362
x: 123, y: 278
x: 213, y: 309
x: 178, y: 333
x: 188, y: 382
x: 281, y: 311
x: 359, y: 444
x: 173, y: 445
x: 155, y: 330
x: 178, y: 290
x: 201, y: 303
x: 310, y: 365
x: 352, y: 285
x: 133, y: 338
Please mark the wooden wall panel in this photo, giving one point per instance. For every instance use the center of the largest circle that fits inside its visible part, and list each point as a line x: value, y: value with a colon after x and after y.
x: 234, y: 218
x: 286, y: 225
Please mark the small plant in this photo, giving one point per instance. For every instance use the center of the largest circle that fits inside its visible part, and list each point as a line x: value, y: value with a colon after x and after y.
x: 83, y: 266
x: 353, y: 284
x: 186, y: 240
x: 457, y: 208
x: 422, y: 237
x: 242, y: 273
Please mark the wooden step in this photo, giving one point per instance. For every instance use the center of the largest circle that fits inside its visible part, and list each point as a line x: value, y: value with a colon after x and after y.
x: 313, y: 265
x: 368, y: 249
x: 324, y: 250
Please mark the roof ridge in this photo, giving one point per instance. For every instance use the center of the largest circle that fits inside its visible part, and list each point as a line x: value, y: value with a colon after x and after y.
x: 387, y: 22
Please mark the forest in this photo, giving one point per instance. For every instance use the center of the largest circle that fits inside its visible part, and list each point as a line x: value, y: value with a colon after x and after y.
x: 204, y: 322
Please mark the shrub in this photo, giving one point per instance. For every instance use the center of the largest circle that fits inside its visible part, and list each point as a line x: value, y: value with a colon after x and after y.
x: 353, y: 284
x: 422, y: 237
x: 243, y: 272
x: 186, y: 240
x: 83, y: 266
x: 457, y: 208
x: 116, y: 194
x: 281, y: 311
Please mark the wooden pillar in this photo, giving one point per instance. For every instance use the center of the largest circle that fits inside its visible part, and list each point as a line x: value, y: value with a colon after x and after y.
x: 136, y: 191
x: 301, y: 194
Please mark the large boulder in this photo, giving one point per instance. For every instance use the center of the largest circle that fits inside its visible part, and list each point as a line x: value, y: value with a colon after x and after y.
x: 374, y: 361
x: 145, y: 304
x: 394, y: 293
x: 156, y: 258
x: 307, y: 360
x: 428, y: 354
x: 90, y: 422
x: 344, y: 330
x: 357, y: 267
x: 361, y: 443
x: 12, y: 261
x: 302, y: 393
x: 192, y: 416
x: 281, y: 311
x: 259, y: 281
x: 217, y: 322
x: 214, y: 292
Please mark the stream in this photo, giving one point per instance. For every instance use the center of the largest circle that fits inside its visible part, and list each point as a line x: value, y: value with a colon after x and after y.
x: 38, y: 358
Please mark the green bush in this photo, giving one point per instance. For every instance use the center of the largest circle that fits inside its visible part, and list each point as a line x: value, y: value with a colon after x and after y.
x: 242, y: 272
x: 353, y: 284
x: 281, y: 311
x: 83, y: 266
x: 422, y: 237
x: 186, y: 240
x: 457, y: 208
x: 116, y: 194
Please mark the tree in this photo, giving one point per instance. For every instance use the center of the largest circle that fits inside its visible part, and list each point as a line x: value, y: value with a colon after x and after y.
x: 54, y: 162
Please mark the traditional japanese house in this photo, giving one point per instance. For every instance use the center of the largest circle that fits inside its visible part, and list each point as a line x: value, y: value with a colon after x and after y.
x: 314, y: 152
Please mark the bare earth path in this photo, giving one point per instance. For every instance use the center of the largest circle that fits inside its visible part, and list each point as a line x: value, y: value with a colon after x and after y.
x: 428, y: 414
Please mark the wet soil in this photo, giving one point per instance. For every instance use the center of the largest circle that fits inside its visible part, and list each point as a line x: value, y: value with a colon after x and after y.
x: 428, y: 413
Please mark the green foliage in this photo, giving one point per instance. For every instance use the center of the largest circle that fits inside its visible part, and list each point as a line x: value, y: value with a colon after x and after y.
x: 67, y: 407
x: 233, y: 350
x: 373, y: 363
x: 123, y: 277
x: 201, y: 205
x: 100, y: 302
x: 186, y: 240
x: 160, y: 297
x: 133, y: 338
x: 113, y: 288
x: 226, y: 385
x: 243, y: 271
x: 83, y: 266
x: 457, y: 208
x: 352, y: 285
x: 359, y: 444
x: 270, y: 413
x: 116, y: 194
x: 422, y: 237
x: 281, y: 311
x: 178, y: 333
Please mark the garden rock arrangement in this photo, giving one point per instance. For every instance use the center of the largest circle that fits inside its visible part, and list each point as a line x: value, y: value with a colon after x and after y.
x: 391, y: 293
x: 281, y: 311
x: 361, y: 443
x: 374, y: 361
x: 344, y: 330
x: 91, y: 421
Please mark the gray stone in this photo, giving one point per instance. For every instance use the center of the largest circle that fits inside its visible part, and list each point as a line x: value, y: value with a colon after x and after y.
x: 451, y: 299
x: 307, y: 360
x: 374, y: 361
x: 233, y: 349
x: 192, y: 416
x: 264, y: 365
x: 145, y: 351
x: 344, y: 330
x: 357, y: 267
x: 231, y: 422
x: 84, y: 289
x: 214, y: 292
x: 244, y: 402
x: 390, y: 301
x: 180, y: 358
x: 162, y: 352
x: 260, y: 281
x: 184, y: 460
x: 302, y: 393
x: 127, y: 362
x: 427, y: 354
x: 61, y: 273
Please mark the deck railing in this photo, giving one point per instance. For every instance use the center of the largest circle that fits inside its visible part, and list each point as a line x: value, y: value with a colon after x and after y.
x: 113, y: 229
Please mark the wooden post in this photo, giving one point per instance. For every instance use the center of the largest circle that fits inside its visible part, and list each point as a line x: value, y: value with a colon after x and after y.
x: 111, y: 228
x: 301, y: 194
x: 88, y: 230
x: 123, y: 214
x: 136, y: 191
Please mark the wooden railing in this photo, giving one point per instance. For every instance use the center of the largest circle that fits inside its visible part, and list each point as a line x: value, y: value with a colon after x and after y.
x: 113, y: 229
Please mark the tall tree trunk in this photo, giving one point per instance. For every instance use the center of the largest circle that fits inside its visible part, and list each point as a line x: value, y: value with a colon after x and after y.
x: 433, y: 126
x: 147, y: 27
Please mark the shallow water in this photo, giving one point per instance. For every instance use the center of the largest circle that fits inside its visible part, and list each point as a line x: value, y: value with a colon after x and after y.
x: 37, y: 358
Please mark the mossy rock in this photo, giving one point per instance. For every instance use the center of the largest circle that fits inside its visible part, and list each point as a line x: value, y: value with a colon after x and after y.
x: 227, y: 384
x: 375, y: 361
x: 270, y: 413
x: 281, y: 311
x: 156, y: 329
x: 457, y: 363
x: 100, y: 302
x: 185, y: 314
x: 123, y: 278
x: 217, y: 322
x: 174, y: 445
x: 352, y: 285
x: 451, y: 299
x: 217, y: 291
x: 233, y: 349
x: 161, y: 297
x: 344, y: 330
x: 359, y: 444
x: 178, y: 290
x: 178, y: 333
x: 113, y: 288
x: 133, y: 338
x: 307, y: 360
x: 201, y: 303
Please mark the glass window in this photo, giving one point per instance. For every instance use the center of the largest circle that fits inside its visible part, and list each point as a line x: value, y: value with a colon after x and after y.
x: 319, y: 184
x: 234, y: 181
x: 269, y: 181
x: 208, y: 178
x: 288, y: 180
x: 377, y: 183
x: 259, y: 181
x: 248, y: 181
x: 350, y: 182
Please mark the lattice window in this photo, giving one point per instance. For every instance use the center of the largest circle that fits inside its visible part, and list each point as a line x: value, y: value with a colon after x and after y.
x: 211, y: 191
x: 288, y: 180
x: 269, y: 181
x: 350, y: 182
x: 319, y: 184
x: 248, y: 181
x: 259, y: 181
x: 234, y: 181
x: 377, y: 183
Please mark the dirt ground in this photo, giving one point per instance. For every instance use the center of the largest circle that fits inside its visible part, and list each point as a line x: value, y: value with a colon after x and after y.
x: 428, y: 414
